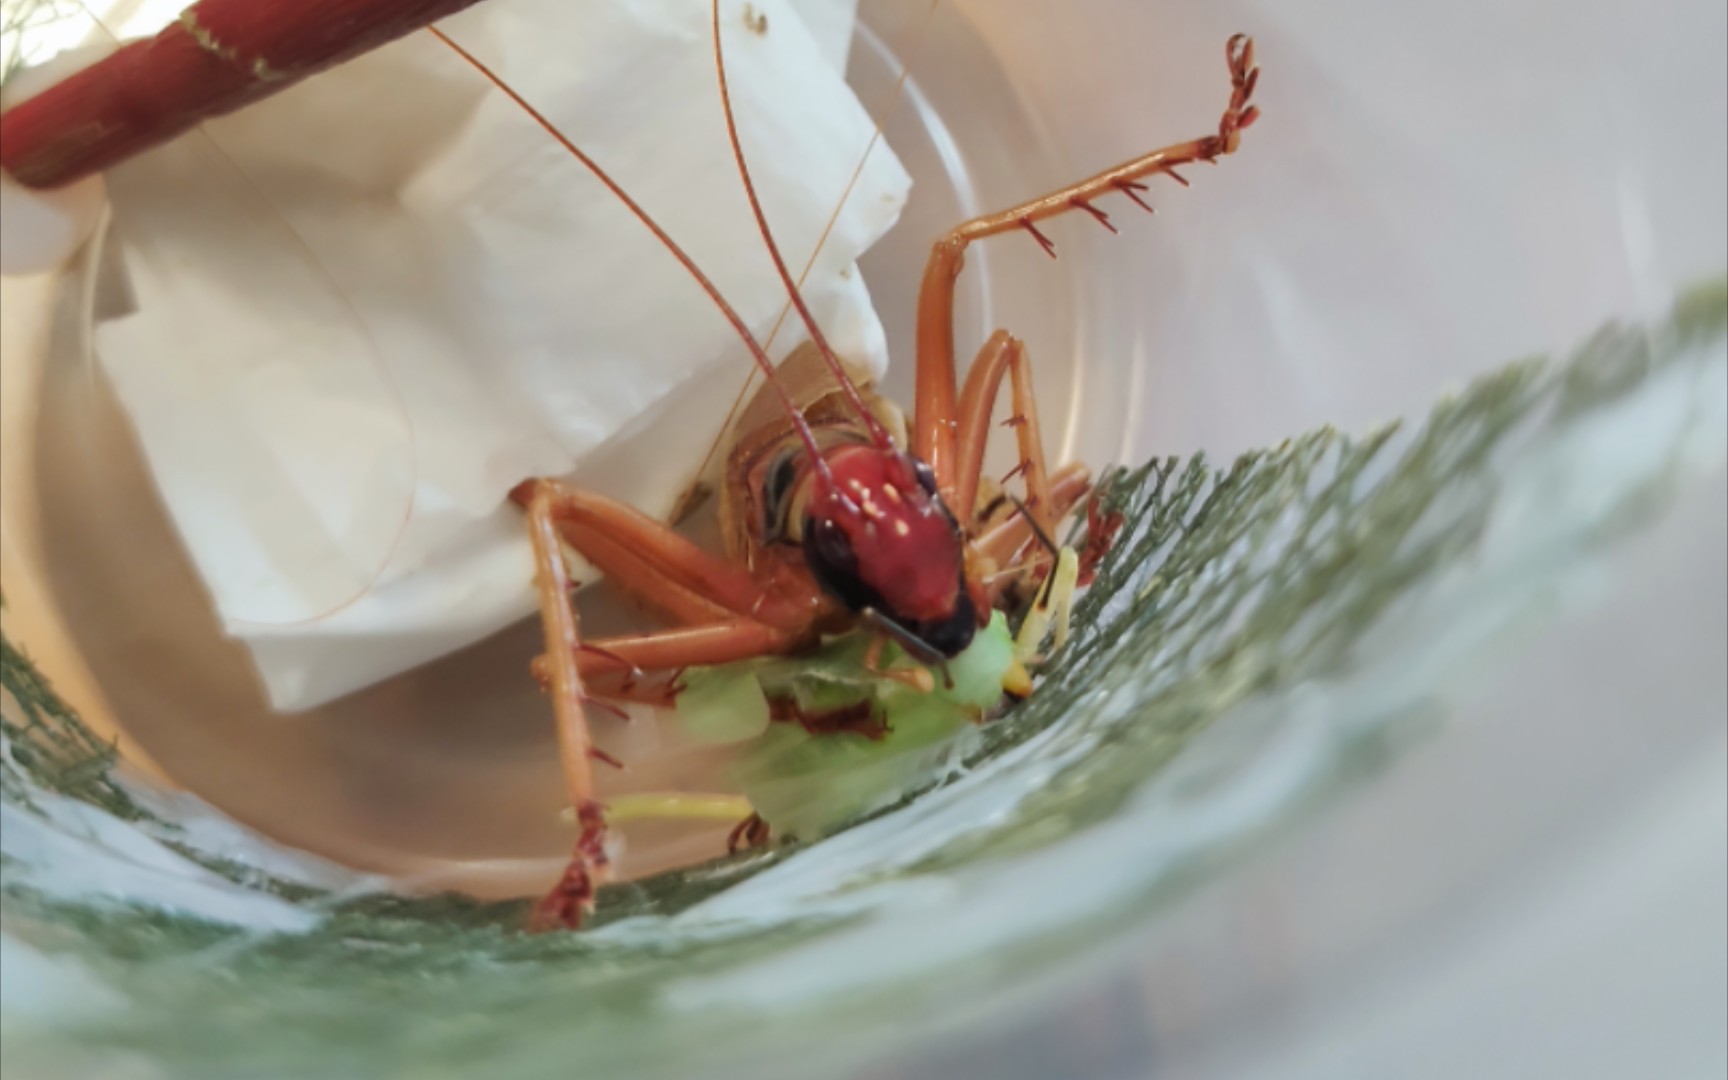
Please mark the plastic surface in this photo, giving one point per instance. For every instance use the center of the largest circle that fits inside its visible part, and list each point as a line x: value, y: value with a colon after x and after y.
x: 1535, y: 888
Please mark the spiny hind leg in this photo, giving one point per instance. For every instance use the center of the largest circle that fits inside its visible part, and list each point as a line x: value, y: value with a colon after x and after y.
x: 936, y: 426
x: 1049, y: 497
x: 651, y: 561
x: 1005, y: 357
x: 573, y: 896
x: 656, y: 564
x: 606, y: 663
x: 1002, y: 356
x: 719, y: 611
x: 1008, y: 544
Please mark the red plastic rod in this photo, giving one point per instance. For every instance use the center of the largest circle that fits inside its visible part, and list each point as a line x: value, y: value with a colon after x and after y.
x: 220, y: 55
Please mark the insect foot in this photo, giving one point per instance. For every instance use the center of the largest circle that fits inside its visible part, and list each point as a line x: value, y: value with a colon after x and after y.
x: 572, y: 898
x: 1244, y: 76
x: 750, y: 834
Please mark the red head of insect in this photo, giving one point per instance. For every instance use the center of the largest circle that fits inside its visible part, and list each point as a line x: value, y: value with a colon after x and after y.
x: 879, y: 539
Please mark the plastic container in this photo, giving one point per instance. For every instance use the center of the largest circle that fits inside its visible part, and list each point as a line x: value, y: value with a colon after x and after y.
x: 1528, y: 882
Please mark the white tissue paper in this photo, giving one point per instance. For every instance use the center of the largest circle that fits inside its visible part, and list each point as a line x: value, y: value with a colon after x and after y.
x: 366, y: 309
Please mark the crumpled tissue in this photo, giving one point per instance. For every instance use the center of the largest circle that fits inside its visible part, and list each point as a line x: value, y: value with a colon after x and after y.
x: 364, y: 310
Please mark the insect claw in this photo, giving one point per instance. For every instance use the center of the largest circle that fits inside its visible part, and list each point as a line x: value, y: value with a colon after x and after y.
x: 1101, y: 216
x: 750, y: 833
x: 1132, y: 189
x: 573, y: 896
x: 606, y: 706
x: 1044, y: 242
x: 1239, y: 54
x: 675, y: 685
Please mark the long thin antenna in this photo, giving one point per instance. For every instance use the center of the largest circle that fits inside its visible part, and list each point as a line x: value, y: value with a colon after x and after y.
x: 732, y: 316
x: 877, y: 433
x: 889, y: 102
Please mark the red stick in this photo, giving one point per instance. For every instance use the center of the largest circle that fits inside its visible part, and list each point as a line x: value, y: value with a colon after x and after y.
x: 219, y: 56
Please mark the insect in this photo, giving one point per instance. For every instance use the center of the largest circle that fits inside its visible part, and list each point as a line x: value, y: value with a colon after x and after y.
x: 834, y: 517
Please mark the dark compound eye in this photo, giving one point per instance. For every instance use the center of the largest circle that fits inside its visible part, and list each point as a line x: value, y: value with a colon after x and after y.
x: 829, y: 554
x: 777, y: 486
